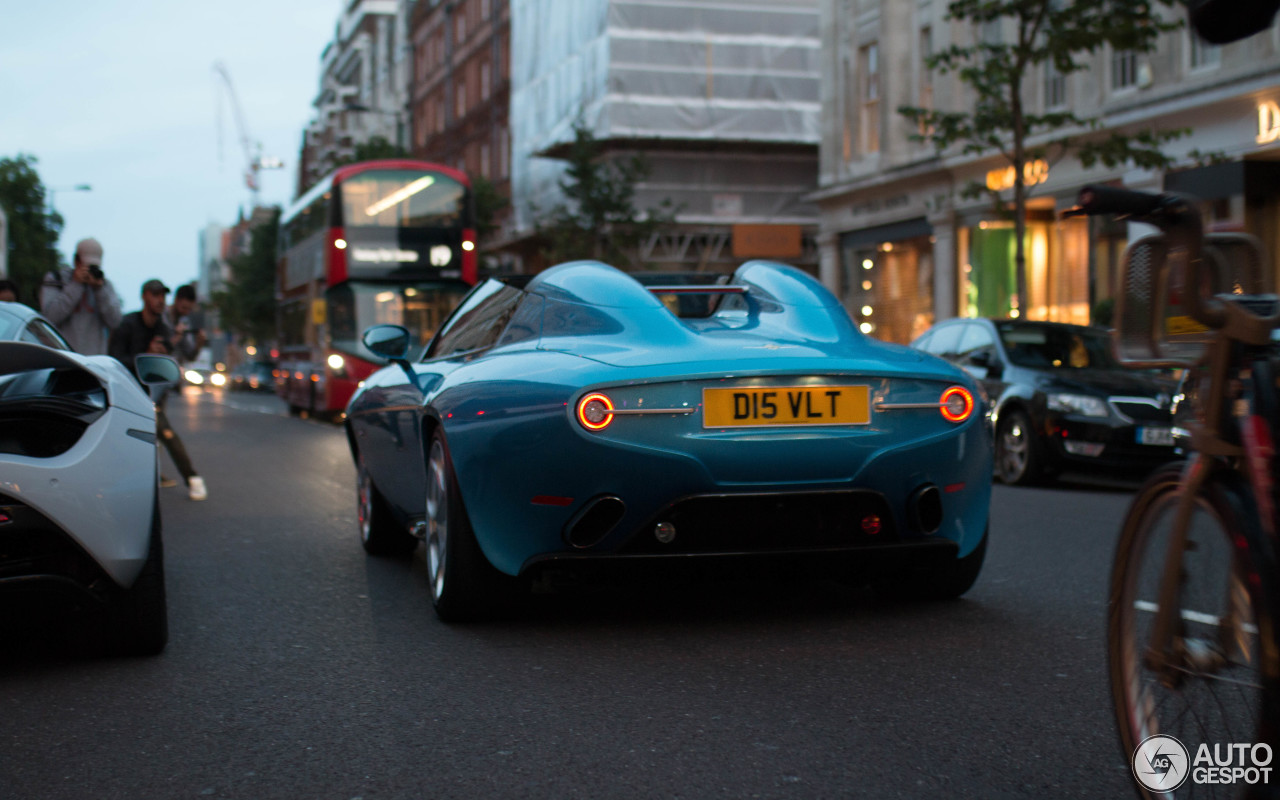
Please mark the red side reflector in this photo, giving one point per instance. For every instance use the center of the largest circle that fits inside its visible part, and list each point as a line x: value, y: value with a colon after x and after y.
x: 4, y: 518
x: 871, y: 524
x: 551, y: 500
x: 952, y: 488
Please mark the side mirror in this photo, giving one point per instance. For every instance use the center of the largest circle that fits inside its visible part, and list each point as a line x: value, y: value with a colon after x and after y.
x: 388, y: 341
x: 987, y: 361
x: 158, y: 373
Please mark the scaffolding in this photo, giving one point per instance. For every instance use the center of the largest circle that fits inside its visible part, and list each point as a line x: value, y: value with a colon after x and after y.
x: 720, y: 96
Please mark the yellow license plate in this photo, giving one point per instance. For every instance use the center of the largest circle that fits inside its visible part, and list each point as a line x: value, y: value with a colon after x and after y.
x: 786, y: 405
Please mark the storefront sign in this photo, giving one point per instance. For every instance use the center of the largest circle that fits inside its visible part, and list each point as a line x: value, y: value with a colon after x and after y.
x: 1033, y: 172
x: 766, y: 241
x: 1268, y: 122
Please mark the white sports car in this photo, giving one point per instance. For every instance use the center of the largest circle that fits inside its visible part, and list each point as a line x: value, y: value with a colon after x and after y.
x: 79, y: 512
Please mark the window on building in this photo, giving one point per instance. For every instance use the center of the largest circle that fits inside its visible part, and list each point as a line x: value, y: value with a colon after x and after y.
x: 1204, y: 55
x: 869, y: 68
x: 440, y: 115
x: 486, y: 80
x: 925, y: 96
x: 486, y: 9
x: 484, y: 160
x: 1055, y: 86
x: 460, y: 95
x: 1124, y: 69
x: 460, y: 26
x: 850, y: 120
x: 504, y: 153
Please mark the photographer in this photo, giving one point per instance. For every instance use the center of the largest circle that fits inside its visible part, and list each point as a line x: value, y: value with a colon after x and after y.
x: 81, y: 302
x: 187, y: 340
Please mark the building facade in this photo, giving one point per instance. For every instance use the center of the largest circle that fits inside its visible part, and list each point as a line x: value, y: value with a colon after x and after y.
x: 364, y: 86
x: 720, y: 97
x: 903, y: 248
x: 460, y: 92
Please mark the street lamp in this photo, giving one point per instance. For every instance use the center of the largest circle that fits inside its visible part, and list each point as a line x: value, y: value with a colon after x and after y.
x: 53, y: 190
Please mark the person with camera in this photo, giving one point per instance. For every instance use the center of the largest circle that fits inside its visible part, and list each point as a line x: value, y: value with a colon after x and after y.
x: 80, y: 301
x: 188, y: 340
x: 146, y: 331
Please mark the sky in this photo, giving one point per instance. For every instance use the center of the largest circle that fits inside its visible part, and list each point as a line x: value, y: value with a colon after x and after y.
x: 122, y: 96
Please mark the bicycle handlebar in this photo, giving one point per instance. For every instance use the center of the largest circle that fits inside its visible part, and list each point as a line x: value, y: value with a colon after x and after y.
x: 1178, y: 217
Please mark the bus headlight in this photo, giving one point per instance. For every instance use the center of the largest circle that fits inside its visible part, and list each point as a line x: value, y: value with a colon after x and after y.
x: 336, y: 362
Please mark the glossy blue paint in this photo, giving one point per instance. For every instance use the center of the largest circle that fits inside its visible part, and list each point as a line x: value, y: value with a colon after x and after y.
x: 508, y: 412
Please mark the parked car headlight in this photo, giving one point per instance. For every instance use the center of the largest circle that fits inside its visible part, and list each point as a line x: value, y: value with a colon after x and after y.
x: 1081, y: 404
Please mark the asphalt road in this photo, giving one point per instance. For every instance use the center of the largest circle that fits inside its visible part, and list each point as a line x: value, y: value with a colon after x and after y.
x: 300, y: 668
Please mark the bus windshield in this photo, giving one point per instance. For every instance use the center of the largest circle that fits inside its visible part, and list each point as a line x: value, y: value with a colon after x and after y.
x: 421, y: 308
x: 402, y: 199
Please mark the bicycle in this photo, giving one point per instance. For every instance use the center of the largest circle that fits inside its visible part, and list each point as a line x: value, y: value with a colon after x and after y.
x: 1199, y: 537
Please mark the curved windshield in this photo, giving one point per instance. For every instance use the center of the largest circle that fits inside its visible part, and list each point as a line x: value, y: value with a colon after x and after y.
x: 421, y: 308
x: 402, y: 199
x: 1040, y: 346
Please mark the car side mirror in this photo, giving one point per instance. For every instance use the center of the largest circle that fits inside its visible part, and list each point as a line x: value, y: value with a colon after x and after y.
x: 987, y: 360
x: 388, y: 341
x: 158, y: 373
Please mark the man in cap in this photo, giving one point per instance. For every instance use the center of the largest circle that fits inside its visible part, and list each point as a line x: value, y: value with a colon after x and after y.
x: 146, y: 331
x: 81, y: 302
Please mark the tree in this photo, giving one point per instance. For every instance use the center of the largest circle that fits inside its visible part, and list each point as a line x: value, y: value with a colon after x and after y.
x: 376, y: 148
x: 248, y: 304
x: 33, y: 233
x: 489, y: 203
x: 1050, y: 34
x: 600, y: 221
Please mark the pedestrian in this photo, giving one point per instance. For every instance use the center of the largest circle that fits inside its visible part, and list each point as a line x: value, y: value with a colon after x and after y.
x: 146, y: 331
x: 187, y: 340
x: 8, y: 291
x: 80, y: 302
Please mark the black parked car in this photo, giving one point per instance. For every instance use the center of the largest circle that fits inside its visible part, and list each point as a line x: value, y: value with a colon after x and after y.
x: 1059, y: 397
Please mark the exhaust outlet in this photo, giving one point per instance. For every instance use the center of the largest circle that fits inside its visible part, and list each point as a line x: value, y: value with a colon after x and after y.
x: 924, y: 509
x: 594, y: 521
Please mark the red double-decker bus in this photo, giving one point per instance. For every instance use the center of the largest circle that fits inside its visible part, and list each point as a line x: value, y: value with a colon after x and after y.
x: 374, y: 242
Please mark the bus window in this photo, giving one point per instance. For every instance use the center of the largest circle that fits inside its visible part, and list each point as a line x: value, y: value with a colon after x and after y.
x: 401, y: 199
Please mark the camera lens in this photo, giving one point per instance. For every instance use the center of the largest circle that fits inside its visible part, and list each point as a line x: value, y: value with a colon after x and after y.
x: 95, y: 272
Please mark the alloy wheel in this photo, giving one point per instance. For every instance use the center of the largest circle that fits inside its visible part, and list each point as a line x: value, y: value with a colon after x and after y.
x: 1015, y: 448
x: 437, y: 518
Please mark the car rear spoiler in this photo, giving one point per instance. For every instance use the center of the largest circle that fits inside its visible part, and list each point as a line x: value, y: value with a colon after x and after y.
x: 697, y: 289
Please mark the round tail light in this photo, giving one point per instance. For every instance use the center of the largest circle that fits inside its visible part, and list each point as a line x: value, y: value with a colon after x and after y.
x: 956, y: 404
x: 595, y: 411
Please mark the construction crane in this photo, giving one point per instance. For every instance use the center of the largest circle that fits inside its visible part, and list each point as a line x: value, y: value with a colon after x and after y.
x: 253, y: 160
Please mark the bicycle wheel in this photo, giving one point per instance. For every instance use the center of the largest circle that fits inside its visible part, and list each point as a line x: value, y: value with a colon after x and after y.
x: 1222, y: 689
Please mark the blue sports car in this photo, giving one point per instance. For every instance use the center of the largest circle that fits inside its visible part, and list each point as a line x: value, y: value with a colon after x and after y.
x: 586, y: 420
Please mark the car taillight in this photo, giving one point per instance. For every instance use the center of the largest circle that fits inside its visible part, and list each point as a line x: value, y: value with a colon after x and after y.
x: 595, y: 411
x: 956, y: 404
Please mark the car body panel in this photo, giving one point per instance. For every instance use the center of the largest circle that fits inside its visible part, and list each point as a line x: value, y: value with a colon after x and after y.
x: 526, y: 467
x: 101, y: 491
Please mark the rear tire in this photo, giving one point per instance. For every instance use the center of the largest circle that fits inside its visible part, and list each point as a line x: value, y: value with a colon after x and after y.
x: 464, y: 585
x: 380, y: 534
x: 138, y: 621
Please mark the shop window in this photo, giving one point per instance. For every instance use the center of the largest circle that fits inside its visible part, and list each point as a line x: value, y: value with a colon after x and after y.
x: 1057, y: 271
x: 889, y: 288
